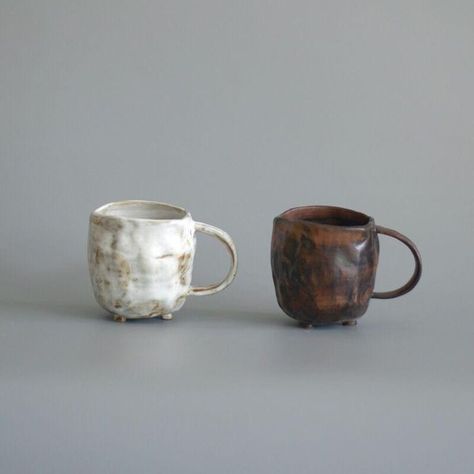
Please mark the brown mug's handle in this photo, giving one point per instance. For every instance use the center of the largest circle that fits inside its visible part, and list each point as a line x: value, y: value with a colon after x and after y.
x: 411, y: 283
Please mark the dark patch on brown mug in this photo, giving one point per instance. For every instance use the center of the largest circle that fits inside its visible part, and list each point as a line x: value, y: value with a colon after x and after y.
x: 324, y: 260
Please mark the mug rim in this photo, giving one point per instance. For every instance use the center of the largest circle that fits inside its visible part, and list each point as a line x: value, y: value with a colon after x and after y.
x: 286, y: 216
x: 100, y: 211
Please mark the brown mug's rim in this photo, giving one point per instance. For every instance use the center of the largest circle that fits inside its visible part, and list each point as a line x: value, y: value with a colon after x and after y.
x: 336, y: 211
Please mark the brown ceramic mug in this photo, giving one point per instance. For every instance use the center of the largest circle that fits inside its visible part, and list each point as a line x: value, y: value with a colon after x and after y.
x: 324, y: 261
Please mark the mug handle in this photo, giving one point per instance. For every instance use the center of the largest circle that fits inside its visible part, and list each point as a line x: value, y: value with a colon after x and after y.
x: 411, y: 283
x: 224, y: 237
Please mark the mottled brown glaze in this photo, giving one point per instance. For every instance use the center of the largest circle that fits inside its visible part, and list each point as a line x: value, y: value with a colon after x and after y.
x: 324, y: 261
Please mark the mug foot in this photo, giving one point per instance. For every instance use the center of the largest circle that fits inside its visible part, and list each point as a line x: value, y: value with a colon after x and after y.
x: 167, y: 317
x: 305, y: 325
x: 351, y: 322
x: 119, y: 319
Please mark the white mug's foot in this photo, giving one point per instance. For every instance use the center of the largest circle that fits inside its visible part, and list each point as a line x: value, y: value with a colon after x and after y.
x: 119, y: 319
x: 167, y: 316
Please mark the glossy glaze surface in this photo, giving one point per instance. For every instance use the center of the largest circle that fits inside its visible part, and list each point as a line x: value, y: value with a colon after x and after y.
x: 323, y: 271
x: 324, y: 261
x: 141, y: 256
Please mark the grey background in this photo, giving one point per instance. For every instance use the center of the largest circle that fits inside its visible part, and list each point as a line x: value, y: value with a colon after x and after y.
x: 236, y: 111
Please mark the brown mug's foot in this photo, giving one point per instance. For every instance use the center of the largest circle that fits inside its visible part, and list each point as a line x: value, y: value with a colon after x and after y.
x: 351, y: 322
x: 167, y: 317
x: 119, y: 319
x: 305, y: 325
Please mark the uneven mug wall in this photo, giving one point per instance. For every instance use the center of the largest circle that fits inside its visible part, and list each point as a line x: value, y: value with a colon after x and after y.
x: 324, y: 261
x: 141, y: 256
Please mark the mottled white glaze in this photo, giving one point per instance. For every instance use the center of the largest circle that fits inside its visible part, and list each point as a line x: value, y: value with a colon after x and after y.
x: 141, y: 257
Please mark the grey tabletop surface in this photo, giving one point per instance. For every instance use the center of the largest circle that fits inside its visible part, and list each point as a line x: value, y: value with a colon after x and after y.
x: 234, y: 391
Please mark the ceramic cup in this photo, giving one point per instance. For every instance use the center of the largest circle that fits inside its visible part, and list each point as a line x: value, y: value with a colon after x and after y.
x: 324, y: 261
x: 141, y: 258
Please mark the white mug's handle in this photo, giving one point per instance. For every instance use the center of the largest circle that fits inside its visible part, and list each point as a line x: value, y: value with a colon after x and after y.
x: 229, y: 244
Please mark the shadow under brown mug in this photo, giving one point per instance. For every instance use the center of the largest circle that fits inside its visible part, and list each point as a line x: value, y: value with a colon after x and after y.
x: 324, y: 261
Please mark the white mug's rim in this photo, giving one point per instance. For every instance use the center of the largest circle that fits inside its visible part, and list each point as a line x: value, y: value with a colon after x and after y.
x: 100, y: 211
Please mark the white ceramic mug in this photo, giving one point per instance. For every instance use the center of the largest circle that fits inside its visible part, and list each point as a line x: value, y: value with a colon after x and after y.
x: 141, y: 258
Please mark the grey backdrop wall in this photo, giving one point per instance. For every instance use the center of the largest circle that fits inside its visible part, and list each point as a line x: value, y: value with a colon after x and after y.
x: 237, y: 111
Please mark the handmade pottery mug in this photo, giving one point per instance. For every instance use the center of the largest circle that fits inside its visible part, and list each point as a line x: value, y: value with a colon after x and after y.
x: 324, y: 261
x: 141, y: 258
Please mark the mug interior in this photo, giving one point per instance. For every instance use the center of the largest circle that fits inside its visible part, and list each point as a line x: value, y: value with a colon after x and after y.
x: 142, y: 210
x: 327, y: 215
